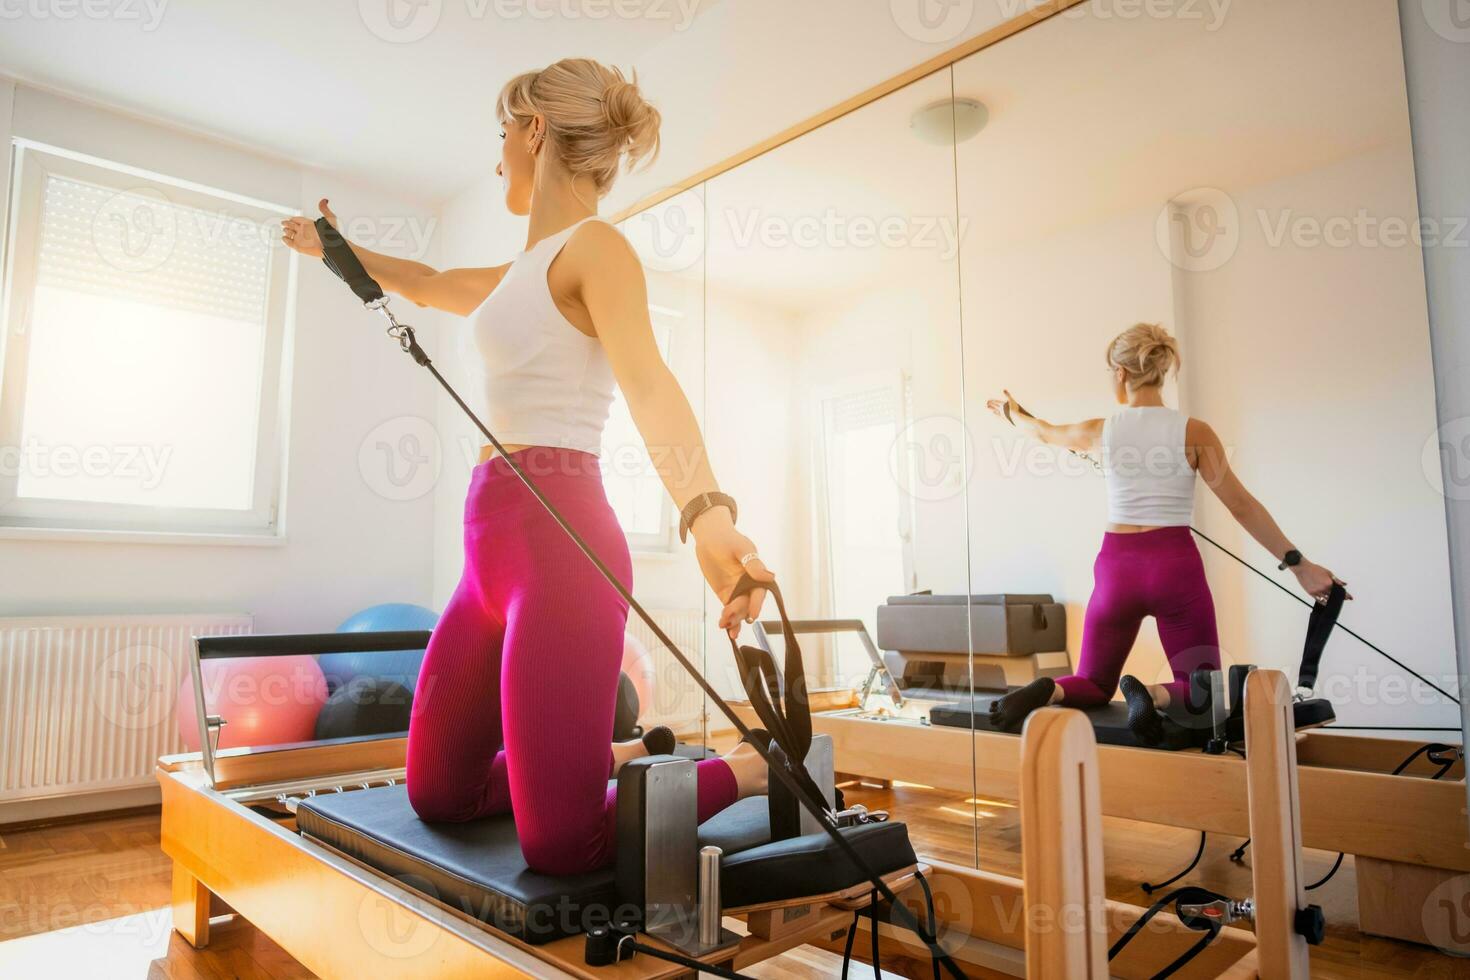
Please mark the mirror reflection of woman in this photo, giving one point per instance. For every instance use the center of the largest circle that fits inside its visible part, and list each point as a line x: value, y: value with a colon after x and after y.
x: 1151, y: 456
x: 515, y: 700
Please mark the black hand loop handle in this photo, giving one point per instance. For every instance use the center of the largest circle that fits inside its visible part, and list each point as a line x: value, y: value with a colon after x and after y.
x: 1319, y: 627
x: 344, y: 263
x: 784, y: 708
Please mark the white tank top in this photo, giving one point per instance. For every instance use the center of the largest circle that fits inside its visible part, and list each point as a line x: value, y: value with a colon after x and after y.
x: 1150, y: 481
x: 539, y: 380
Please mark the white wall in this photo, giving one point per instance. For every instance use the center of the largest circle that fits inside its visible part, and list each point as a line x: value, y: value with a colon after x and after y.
x: 760, y: 457
x: 1314, y: 366
x: 347, y: 545
x: 1038, y: 316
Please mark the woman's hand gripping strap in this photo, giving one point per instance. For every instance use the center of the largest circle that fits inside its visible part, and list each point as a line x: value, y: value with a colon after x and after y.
x: 338, y: 256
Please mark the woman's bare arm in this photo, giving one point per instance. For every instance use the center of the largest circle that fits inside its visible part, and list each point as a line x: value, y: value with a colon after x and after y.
x: 1079, y: 436
x: 453, y: 290
x: 613, y: 290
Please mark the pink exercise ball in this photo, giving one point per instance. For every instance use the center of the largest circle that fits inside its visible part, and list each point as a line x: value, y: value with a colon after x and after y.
x: 638, y: 665
x: 263, y: 700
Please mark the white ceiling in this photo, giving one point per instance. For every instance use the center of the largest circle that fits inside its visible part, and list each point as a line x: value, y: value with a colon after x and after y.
x: 333, y: 85
x: 394, y: 93
x: 1089, y: 117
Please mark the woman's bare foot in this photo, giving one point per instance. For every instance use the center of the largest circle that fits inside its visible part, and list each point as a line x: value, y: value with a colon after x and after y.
x: 658, y: 740
x: 751, y: 775
x: 623, y: 752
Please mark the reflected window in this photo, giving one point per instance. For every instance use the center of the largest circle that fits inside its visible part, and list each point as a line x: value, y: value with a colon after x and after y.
x: 868, y: 547
x: 634, y: 488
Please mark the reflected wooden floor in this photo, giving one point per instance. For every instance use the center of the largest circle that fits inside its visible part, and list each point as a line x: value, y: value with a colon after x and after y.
x: 77, y: 895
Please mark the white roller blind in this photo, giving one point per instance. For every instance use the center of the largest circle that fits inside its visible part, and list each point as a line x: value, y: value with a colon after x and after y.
x: 139, y: 246
x: 863, y: 409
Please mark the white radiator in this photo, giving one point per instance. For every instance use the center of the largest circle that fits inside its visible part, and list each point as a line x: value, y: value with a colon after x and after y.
x: 87, y: 703
x: 678, y: 701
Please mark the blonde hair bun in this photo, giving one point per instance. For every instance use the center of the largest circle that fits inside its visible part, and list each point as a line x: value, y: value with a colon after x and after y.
x: 1146, y: 352
x: 596, y: 118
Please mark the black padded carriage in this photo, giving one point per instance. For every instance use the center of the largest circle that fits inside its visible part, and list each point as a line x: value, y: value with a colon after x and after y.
x: 1109, y: 722
x: 476, y: 868
x: 1182, y: 730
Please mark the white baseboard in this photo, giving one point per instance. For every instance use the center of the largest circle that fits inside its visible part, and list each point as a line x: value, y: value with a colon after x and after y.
x: 50, y: 808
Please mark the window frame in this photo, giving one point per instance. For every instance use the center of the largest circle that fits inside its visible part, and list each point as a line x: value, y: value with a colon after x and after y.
x: 660, y: 542
x: 31, y: 163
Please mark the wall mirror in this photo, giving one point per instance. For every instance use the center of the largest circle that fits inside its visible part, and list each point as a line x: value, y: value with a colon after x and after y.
x: 1248, y: 184
x: 833, y: 376
x: 1245, y: 181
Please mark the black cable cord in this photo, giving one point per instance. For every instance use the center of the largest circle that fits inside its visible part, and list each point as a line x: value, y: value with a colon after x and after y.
x: 851, y: 934
x: 1431, y: 750
x: 1176, y: 896
x: 1149, y: 889
x: 1328, y: 876
x: 873, y: 914
x: 1357, y: 636
x: 929, y: 911
x: 686, y: 961
x: 409, y: 343
x: 1388, y: 728
x: 1187, y: 955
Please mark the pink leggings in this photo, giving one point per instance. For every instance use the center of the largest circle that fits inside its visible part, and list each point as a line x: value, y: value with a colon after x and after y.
x: 1153, y: 573
x: 515, y: 699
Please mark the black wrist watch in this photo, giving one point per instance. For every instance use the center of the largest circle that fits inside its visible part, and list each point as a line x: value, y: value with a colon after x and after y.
x: 699, y: 505
x: 1290, y: 560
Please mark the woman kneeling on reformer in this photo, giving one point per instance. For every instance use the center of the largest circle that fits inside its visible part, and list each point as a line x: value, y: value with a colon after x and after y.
x: 1148, y: 564
x: 516, y: 696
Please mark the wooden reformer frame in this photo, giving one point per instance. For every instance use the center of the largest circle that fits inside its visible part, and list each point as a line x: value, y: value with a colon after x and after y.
x: 342, y: 919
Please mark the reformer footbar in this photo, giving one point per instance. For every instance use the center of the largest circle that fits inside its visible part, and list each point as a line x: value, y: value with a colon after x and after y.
x: 791, y: 735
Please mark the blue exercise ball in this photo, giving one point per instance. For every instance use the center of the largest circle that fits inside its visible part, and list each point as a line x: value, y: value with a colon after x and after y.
x: 395, y: 666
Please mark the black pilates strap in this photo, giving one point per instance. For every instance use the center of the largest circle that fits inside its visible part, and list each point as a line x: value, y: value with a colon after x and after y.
x: 343, y: 261
x: 1319, y: 627
x: 784, y: 709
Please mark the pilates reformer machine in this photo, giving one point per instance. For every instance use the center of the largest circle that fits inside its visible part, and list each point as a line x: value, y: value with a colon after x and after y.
x: 317, y: 846
x: 1399, y: 813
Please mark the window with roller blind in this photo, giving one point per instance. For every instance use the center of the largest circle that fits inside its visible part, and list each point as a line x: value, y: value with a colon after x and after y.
x: 634, y: 489
x: 866, y: 522
x: 144, y: 329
